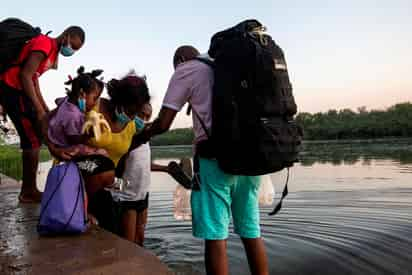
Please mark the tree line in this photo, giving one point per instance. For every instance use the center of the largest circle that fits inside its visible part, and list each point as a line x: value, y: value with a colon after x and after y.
x: 395, y: 121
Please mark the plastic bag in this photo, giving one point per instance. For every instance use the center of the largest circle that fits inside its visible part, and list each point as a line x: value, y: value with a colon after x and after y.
x: 181, y: 204
x: 266, y: 191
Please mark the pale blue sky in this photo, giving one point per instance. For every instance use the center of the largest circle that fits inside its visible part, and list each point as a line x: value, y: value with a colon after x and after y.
x: 341, y: 54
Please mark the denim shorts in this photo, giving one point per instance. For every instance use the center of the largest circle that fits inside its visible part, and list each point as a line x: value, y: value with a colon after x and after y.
x: 221, y: 196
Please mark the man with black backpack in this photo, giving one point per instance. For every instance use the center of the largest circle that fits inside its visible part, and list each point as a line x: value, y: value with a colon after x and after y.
x: 243, y: 118
x: 220, y: 195
x: 25, y: 54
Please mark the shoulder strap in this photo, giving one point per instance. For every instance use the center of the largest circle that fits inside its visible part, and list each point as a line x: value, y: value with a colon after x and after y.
x: 210, y: 63
x: 200, y: 120
x: 206, y: 61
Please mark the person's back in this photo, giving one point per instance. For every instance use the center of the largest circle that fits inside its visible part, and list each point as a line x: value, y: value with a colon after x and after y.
x: 195, y: 79
x: 67, y: 121
x: 220, y: 196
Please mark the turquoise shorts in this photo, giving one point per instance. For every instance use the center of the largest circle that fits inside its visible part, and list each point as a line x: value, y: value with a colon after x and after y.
x: 221, y: 196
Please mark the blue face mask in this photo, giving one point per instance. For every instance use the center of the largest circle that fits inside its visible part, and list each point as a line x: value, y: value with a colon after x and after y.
x: 67, y: 50
x: 139, y: 123
x: 81, y: 103
x: 121, y: 117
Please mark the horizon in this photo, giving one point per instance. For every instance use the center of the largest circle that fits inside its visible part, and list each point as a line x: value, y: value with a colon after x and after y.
x: 340, y: 55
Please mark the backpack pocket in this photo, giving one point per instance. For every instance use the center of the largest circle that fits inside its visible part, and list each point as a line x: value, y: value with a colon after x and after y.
x: 281, y: 141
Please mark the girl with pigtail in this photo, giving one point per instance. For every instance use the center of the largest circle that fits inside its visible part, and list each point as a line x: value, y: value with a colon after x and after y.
x: 65, y: 129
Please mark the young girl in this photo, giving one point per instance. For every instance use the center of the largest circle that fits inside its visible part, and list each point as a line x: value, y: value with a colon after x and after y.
x: 66, y: 124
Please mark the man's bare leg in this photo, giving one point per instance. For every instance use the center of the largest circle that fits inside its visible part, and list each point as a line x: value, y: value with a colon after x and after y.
x: 216, y: 257
x: 256, y: 256
x: 29, y: 192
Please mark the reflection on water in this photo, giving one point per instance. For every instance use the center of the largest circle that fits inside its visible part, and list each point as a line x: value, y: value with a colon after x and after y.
x: 353, y: 232
x: 351, y: 152
x: 349, y: 212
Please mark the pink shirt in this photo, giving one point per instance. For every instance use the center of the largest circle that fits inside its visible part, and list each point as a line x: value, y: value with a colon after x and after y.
x: 192, y: 82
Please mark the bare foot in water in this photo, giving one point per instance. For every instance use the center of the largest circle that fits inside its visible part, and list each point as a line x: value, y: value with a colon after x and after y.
x: 30, y: 197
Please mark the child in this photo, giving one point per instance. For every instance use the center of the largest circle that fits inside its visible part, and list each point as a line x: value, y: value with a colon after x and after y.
x: 65, y: 126
x: 137, y: 174
x: 66, y: 123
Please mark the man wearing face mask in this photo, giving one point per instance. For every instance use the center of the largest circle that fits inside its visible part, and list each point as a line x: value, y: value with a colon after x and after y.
x: 21, y: 96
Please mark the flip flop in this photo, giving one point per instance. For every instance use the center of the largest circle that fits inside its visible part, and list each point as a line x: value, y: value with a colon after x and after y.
x: 176, y: 171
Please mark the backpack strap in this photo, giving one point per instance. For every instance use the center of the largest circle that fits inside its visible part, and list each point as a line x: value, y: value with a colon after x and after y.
x: 209, y: 62
x: 206, y: 60
x: 202, y: 123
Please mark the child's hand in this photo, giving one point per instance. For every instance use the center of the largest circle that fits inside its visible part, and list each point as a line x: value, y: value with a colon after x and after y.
x: 63, y: 154
x: 102, y: 152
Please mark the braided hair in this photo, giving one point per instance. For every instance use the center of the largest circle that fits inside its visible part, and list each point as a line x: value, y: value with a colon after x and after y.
x: 84, y: 82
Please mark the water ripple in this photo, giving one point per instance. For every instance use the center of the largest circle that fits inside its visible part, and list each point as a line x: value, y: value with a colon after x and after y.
x: 353, y: 232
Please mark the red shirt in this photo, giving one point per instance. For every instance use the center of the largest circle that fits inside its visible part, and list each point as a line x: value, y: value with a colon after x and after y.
x: 41, y: 43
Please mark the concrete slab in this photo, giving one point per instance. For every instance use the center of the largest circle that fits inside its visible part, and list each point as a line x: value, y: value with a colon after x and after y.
x: 23, y: 251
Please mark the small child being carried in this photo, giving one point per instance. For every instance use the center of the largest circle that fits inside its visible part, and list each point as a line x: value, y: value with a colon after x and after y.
x: 66, y: 123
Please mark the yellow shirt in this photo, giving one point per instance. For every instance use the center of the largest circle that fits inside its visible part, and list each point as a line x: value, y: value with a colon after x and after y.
x: 117, y: 144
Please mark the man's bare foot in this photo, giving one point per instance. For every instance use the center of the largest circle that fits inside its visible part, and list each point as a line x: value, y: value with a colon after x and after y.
x: 92, y: 220
x: 30, y: 197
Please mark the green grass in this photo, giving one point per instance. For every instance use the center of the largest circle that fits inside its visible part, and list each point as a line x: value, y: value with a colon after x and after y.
x: 11, y: 163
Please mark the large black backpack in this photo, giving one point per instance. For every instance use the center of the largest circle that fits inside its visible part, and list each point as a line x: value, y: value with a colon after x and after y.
x: 14, y: 34
x: 253, y: 108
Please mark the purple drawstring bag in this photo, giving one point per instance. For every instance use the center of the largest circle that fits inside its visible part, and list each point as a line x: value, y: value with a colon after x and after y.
x: 63, y: 209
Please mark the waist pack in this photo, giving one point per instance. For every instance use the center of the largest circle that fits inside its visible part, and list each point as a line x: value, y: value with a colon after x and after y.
x: 63, y: 205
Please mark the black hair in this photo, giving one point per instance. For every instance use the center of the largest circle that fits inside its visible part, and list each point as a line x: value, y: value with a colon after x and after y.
x: 130, y: 90
x: 76, y: 31
x: 184, y: 53
x: 84, y: 82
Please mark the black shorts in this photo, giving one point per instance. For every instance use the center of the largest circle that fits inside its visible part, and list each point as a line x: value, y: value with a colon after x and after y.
x: 135, y: 205
x: 109, y: 212
x: 21, y: 111
x: 94, y: 164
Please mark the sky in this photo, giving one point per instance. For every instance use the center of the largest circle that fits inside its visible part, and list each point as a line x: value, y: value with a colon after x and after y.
x: 340, y: 54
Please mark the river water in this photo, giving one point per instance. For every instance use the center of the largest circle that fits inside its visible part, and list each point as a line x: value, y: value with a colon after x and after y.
x: 349, y: 211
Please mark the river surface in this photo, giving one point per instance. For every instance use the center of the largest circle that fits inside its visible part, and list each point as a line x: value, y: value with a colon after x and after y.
x: 349, y: 211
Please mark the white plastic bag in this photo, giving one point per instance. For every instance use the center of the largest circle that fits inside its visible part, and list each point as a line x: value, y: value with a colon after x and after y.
x: 266, y: 191
x: 42, y: 172
x: 181, y: 203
